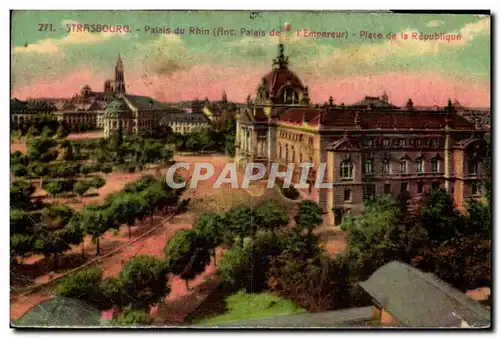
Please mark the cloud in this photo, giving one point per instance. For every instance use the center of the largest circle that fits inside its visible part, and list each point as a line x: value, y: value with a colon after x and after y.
x: 369, y: 55
x: 54, y: 46
x: 435, y: 23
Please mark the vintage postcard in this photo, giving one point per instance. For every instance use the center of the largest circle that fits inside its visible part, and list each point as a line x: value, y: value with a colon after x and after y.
x: 250, y: 169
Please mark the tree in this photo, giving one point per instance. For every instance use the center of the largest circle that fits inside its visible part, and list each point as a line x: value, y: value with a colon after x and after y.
x: 20, y: 193
x: 20, y: 245
x: 271, y: 216
x: 83, y: 285
x: 210, y: 226
x: 56, y: 216
x: 37, y: 169
x: 19, y: 170
x: 54, y: 188
x: 143, y: 281
x: 187, y: 254
x: 309, y: 216
x: 130, y: 317
x: 96, y: 221
x: 128, y: 208
x: 373, y: 238
x: 440, y: 217
x: 240, y: 221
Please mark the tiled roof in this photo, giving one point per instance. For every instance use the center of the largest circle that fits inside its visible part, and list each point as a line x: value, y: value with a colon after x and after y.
x: 396, y: 119
x: 277, y: 78
x: 299, y: 115
x: 420, y: 299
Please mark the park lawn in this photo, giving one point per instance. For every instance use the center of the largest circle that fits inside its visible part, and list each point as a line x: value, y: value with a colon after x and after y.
x: 248, y: 306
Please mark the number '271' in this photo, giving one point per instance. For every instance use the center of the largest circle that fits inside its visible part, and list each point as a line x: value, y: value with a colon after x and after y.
x: 43, y: 27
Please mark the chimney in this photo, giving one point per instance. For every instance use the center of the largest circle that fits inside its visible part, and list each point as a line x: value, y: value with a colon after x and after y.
x: 409, y: 104
x: 330, y: 101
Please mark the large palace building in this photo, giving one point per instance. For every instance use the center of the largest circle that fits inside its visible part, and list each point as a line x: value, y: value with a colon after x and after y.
x: 370, y: 148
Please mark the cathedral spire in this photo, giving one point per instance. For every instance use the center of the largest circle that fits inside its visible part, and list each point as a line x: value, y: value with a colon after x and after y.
x: 119, y: 76
x: 281, y: 62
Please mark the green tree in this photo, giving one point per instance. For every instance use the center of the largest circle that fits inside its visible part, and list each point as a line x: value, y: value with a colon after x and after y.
x: 143, y: 282
x: 83, y: 285
x: 240, y: 221
x: 309, y: 216
x: 19, y: 170
x: 54, y: 188
x: 271, y: 216
x: 20, y: 194
x: 130, y: 317
x: 37, y: 169
x: 187, y: 254
x: 211, y: 227
x: 96, y: 221
x: 20, y: 245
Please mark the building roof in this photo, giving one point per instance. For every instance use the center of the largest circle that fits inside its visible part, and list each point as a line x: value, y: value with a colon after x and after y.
x: 60, y: 312
x: 420, y: 299
x: 137, y: 102
x: 373, y: 102
x: 276, y: 79
x: 354, y: 317
x: 345, y: 118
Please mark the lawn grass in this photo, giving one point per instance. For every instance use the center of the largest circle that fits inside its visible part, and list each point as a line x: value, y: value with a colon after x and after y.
x: 245, y: 306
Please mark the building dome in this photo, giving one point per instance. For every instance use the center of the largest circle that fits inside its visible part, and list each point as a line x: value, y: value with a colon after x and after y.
x: 277, y: 79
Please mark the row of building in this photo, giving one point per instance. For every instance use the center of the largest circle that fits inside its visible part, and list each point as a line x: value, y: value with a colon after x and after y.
x: 114, y: 108
x: 370, y: 148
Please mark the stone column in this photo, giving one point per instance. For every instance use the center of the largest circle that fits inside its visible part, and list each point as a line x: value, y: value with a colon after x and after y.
x: 447, y: 162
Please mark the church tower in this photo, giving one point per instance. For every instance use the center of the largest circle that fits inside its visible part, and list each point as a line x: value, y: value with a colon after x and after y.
x: 119, y: 77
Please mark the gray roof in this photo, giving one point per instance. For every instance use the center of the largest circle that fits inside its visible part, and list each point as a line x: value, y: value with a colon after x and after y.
x: 143, y: 102
x: 420, y: 299
x: 354, y: 317
x: 60, y: 312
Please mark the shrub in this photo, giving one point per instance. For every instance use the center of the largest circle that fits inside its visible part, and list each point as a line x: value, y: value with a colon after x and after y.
x: 289, y: 192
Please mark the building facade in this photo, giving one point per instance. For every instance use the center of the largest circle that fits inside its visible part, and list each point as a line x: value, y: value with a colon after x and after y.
x: 183, y: 122
x: 368, y: 149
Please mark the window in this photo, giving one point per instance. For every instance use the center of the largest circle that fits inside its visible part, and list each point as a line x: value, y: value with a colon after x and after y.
x: 420, y: 187
x: 434, y: 143
x: 404, y: 186
x: 387, y: 189
x: 475, y: 188
x: 420, y: 166
x: 368, y: 166
x: 435, y: 165
x: 435, y: 185
x: 346, y: 169
x: 368, y: 142
x: 402, y: 142
x: 403, y: 167
x: 386, y: 142
x: 386, y: 167
x: 370, y: 191
x: 347, y: 195
x: 472, y: 166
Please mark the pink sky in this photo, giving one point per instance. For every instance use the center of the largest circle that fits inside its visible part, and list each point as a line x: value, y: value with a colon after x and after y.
x: 204, y: 81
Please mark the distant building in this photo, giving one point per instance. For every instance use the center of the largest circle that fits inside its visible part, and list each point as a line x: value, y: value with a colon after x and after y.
x: 185, y: 121
x: 406, y: 296
x: 369, y: 148
x: 22, y: 111
x: 133, y: 113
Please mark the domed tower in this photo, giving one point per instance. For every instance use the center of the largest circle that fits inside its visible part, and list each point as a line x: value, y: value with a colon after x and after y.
x: 280, y: 86
x: 119, y: 76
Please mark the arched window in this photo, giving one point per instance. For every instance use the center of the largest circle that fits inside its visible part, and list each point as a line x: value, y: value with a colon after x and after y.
x: 346, y: 169
x: 280, y: 154
x: 293, y: 154
x: 286, y: 153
